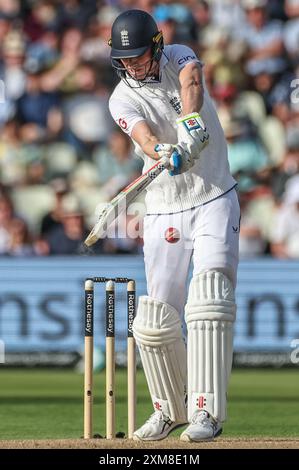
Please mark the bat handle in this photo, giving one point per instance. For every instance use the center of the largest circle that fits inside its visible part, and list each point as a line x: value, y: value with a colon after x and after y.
x: 165, y: 161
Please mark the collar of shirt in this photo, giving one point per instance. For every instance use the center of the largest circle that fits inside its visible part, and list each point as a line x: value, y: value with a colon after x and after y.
x: 163, y: 61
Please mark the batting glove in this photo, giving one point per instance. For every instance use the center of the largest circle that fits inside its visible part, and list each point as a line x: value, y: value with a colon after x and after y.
x: 180, y: 160
x: 193, y: 133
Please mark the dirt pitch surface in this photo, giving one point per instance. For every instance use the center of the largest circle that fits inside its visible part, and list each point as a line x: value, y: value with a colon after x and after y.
x: 171, y: 443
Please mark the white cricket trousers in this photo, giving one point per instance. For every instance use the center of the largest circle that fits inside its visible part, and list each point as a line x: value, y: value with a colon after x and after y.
x: 208, y: 233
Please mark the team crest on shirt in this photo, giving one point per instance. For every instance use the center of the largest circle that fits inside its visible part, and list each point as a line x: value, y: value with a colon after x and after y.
x: 124, y: 37
x: 176, y: 104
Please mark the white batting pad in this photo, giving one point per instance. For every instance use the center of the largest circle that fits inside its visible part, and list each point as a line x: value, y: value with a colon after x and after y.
x: 209, y: 313
x: 158, y: 332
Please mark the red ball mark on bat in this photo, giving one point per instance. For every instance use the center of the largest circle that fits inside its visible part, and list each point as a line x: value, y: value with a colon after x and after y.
x: 172, y: 235
x: 123, y: 124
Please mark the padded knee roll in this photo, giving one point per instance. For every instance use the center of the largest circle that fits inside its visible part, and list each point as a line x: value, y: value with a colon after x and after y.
x: 210, y: 313
x: 158, y: 332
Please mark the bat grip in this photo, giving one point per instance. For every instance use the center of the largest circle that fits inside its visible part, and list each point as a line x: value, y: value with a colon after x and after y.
x: 176, y: 162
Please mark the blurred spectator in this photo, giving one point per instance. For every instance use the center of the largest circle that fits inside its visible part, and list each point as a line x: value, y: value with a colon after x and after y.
x: 31, y: 202
x: 167, y: 24
x: 60, y: 159
x: 116, y: 164
x: 227, y: 14
x: 43, y: 17
x: 10, y: 8
x: 291, y: 8
x: 12, y: 73
x: 77, y: 12
x: 249, y: 107
x: 180, y: 15
x: 14, y: 235
x: 252, y: 243
x: 263, y: 37
x: 86, y: 114
x: 12, y: 76
x: 258, y: 212
x: 289, y: 167
x: 33, y: 107
x: 291, y: 29
x: 12, y: 165
x: 285, y: 235
x: 55, y: 16
x: 146, y: 5
x: 35, y: 169
x: 95, y: 46
x: 274, y: 88
x: 276, y: 9
x: 20, y: 243
x: 209, y: 33
x: 84, y: 176
x: 201, y: 11
x: 53, y: 219
x: 66, y: 239
x: 57, y: 77
x: 246, y: 155
x: 44, y: 53
x: 5, y: 26
x: 6, y: 218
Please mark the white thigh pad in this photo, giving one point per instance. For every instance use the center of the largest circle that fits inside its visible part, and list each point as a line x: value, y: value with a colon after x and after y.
x: 209, y: 313
x: 158, y: 332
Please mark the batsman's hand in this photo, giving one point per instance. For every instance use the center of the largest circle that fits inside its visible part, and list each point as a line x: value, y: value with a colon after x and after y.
x: 177, y: 156
x: 192, y: 133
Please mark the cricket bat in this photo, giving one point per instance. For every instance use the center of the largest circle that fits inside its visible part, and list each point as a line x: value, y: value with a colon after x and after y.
x: 121, y: 202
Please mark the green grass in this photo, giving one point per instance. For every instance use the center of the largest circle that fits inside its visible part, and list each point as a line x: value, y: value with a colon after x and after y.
x: 42, y: 404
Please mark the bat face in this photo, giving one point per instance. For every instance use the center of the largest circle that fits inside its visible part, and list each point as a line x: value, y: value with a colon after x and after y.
x: 120, y: 203
x: 105, y: 218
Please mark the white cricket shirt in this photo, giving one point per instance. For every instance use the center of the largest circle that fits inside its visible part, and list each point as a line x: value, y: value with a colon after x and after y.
x: 159, y: 104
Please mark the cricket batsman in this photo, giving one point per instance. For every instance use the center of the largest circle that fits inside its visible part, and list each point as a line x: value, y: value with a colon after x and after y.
x: 193, y: 213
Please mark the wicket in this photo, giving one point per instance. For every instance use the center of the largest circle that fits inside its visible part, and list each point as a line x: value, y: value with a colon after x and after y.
x: 110, y: 355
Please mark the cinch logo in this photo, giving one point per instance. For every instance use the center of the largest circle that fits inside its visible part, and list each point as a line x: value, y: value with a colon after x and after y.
x: 157, y: 405
x: 201, y: 402
x: 185, y: 59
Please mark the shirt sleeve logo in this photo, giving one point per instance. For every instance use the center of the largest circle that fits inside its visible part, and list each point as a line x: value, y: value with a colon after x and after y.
x: 122, y: 123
